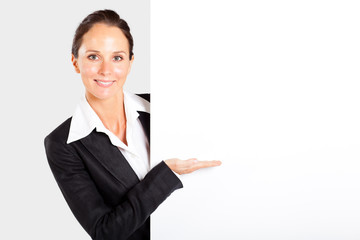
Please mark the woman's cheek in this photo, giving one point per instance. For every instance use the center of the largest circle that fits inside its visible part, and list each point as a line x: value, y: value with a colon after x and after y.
x: 120, y: 71
x: 90, y: 70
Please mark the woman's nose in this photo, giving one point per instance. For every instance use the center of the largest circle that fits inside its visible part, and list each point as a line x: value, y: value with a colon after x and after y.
x: 105, y: 68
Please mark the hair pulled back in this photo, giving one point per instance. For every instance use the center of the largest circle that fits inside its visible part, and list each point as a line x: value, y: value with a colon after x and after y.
x: 108, y: 17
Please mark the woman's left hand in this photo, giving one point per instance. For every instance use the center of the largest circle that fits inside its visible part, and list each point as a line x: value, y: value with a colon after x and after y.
x: 189, y: 165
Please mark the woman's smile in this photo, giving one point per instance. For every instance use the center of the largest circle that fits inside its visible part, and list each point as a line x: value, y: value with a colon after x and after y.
x: 103, y: 83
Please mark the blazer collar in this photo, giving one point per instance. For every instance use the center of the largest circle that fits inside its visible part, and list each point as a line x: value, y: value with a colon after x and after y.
x: 85, y: 120
x: 144, y: 118
x: 100, y: 146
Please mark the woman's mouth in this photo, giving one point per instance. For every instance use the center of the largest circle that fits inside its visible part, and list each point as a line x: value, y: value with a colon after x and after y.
x: 103, y: 83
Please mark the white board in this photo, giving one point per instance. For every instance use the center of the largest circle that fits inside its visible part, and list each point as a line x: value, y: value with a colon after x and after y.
x: 271, y: 88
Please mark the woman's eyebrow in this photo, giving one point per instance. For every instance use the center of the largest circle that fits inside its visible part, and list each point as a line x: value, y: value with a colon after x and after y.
x: 116, y: 52
x: 92, y: 51
x: 119, y: 52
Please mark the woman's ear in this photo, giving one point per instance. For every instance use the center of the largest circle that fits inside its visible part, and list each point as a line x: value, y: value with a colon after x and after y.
x: 131, y: 61
x: 75, y: 63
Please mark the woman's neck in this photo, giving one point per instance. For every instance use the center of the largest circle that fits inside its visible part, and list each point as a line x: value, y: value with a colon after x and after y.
x: 111, y: 112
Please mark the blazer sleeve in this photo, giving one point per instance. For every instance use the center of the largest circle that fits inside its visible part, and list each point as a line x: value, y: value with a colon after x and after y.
x: 87, y: 204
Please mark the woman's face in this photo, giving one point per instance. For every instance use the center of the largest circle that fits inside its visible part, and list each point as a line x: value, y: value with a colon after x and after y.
x: 103, y: 61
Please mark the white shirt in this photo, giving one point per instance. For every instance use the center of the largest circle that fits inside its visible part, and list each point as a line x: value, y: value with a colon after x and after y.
x: 137, y: 152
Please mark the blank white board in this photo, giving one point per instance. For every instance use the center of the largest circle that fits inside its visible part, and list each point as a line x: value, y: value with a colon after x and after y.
x: 271, y: 88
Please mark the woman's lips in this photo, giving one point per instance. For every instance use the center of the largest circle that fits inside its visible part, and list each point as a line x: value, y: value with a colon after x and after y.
x: 103, y: 83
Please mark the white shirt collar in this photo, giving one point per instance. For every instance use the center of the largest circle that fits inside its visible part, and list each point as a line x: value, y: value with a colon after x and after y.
x: 85, y: 120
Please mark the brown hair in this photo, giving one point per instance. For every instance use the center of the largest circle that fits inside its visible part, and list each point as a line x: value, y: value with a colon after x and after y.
x: 108, y: 17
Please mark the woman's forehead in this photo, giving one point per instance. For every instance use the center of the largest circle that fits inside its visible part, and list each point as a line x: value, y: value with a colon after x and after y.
x: 104, y: 37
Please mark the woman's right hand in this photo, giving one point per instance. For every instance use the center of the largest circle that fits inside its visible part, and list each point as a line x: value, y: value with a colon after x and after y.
x: 189, y: 165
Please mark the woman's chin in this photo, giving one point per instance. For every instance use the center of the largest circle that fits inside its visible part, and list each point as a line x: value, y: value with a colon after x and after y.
x: 103, y: 95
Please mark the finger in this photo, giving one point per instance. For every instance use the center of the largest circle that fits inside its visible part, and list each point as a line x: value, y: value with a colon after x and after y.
x: 204, y: 164
x: 212, y: 163
x: 189, y: 162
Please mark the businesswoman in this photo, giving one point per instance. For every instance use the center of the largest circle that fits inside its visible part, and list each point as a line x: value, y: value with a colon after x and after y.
x: 100, y: 155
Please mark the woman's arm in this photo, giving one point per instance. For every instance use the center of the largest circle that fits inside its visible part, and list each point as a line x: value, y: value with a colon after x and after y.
x: 88, y: 206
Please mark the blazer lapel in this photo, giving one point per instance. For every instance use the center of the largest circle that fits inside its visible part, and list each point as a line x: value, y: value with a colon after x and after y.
x: 145, y: 121
x: 99, y: 145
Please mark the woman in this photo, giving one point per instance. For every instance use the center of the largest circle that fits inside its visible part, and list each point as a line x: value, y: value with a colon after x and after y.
x: 100, y: 156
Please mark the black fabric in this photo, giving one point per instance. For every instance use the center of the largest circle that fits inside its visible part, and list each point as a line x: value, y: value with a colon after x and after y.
x: 143, y: 116
x: 146, y: 96
x: 102, y: 189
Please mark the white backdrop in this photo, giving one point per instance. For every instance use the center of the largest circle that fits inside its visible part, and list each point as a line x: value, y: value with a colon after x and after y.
x: 271, y: 88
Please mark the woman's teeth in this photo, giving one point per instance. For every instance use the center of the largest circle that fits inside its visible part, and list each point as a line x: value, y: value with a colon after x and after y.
x: 104, y: 83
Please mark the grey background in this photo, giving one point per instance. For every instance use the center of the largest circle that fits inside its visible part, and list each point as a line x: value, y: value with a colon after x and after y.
x: 39, y: 91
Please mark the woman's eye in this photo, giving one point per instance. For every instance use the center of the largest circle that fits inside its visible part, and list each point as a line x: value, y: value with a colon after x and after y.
x: 117, y: 58
x: 93, y: 57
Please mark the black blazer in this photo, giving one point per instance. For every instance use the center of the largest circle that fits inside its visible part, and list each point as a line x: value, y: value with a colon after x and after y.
x: 101, y: 188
